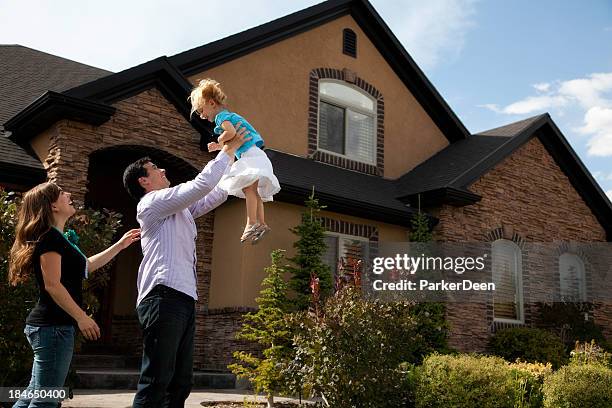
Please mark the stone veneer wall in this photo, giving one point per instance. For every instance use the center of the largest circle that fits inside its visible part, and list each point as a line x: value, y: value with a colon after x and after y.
x: 150, y: 121
x: 526, y: 197
x: 218, y: 331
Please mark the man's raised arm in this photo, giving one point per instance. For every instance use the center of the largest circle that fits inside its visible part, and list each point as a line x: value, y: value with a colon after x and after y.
x: 163, y: 203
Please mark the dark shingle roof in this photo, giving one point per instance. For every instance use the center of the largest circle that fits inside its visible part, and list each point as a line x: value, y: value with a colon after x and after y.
x: 15, y: 155
x: 444, y: 167
x: 511, y: 129
x: 366, y: 195
x: 25, y: 74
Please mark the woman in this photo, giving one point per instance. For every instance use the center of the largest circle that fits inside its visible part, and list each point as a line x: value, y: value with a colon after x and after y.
x: 42, y: 250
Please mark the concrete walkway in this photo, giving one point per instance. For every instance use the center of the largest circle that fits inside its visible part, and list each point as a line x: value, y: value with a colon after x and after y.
x: 124, y: 398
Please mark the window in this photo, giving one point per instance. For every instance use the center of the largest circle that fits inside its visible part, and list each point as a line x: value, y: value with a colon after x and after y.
x: 344, y: 246
x: 507, y: 277
x: 347, y: 122
x: 572, y: 278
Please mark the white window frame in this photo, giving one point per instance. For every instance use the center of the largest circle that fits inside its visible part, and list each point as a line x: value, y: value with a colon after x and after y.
x: 518, y: 260
x: 582, y: 277
x: 344, y: 236
x: 340, y: 103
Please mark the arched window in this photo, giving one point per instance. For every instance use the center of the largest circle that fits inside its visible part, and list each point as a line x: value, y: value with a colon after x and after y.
x: 507, y: 277
x: 572, y: 278
x: 347, y: 118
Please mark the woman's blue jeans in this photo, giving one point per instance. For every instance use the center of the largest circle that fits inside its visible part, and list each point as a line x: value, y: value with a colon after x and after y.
x: 53, y: 347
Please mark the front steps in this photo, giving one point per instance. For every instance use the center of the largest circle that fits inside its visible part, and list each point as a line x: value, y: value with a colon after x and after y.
x: 122, y: 373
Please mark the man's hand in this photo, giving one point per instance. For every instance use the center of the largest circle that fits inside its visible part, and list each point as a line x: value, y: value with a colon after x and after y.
x: 213, y: 146
x: 241, y: 137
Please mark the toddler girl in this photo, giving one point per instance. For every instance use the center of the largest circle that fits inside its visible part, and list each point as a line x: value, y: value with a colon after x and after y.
x: 251, y: 176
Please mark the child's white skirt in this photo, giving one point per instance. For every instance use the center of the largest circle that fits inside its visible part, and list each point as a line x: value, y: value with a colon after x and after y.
x: 253, y: 165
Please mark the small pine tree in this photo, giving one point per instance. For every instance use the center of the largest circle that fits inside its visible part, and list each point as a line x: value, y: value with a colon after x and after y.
x: 430, y: 316
x: 267, y: 327
x: 310, y: 248
x: 419, y: 231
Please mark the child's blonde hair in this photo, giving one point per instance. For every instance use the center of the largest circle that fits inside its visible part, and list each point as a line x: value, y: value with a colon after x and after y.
x: 207, y: 89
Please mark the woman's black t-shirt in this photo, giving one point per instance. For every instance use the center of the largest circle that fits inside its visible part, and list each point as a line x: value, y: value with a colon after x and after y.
x: 47, y: 312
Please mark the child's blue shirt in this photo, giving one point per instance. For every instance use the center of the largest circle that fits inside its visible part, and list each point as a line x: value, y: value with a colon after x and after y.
x: 234, y: 118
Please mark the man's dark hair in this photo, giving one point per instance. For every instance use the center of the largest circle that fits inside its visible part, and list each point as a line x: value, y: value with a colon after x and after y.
x: 131, y: 175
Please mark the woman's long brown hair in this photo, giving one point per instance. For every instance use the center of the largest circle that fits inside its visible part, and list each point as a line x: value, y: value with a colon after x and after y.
x: 34, y: 220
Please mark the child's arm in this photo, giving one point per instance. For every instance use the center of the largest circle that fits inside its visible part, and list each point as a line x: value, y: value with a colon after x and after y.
x: 228, y: 132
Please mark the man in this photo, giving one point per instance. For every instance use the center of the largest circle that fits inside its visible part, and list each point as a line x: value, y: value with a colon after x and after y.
x: 167, y: 274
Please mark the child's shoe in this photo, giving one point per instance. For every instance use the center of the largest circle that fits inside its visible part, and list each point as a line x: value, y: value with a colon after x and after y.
x: 249, y: 232
x: 260, y: 232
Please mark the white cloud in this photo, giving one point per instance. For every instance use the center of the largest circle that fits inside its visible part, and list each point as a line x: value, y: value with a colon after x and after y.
x: 492, y: 107
x: 542, y: 86
x: 598, y: 124
x: 588, y: 92
x: 609, y: 194
x: 432, y: 31
x: 590, y: 97
x: 530, y: 104
x: 535, y: 104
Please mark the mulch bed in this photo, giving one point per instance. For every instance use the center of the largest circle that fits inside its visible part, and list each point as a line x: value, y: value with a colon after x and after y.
x: 252, y: 404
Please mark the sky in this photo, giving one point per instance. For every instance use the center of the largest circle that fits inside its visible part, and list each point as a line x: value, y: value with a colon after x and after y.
x: 493, y: 61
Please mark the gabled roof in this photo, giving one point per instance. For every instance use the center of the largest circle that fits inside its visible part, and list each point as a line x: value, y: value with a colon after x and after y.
x: 90, y: 102
x: 372, y: 24
x: 44, y: 72
x: 446, y: 176
x: 341, y: 190
x: 442, y: 169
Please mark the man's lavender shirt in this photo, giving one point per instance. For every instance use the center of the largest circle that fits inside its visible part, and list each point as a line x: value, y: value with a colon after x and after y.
x: 168, y: 230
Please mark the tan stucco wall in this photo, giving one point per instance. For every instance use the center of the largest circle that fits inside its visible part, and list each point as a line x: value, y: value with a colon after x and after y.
x: 40, y: 145
x: 269, y: 87
x: 237, y: 269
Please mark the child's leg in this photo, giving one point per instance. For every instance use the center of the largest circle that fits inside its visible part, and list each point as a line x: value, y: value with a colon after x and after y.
x: 260, y: 211
x: 250, y: 194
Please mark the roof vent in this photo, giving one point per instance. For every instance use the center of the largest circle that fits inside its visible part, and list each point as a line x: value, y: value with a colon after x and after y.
x: 349, y: 42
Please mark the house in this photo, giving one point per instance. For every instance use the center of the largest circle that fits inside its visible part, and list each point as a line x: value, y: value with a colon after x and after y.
x: 342, y: 107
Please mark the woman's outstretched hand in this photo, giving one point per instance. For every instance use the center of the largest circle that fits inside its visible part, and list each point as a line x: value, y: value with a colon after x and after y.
x: 129, y: 237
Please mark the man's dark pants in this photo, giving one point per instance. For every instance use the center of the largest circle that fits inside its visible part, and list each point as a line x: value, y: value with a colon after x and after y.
x: 167, y: 319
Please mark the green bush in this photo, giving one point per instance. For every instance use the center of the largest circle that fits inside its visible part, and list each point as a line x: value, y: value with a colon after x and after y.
x: 579, y: 386
x: 572, y: 321
x: 529, y: 344
x: 590, y: 353
x: 353, y: 353
x: 432, y: 327
x: 467, y: 381
x: 15, y: 304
